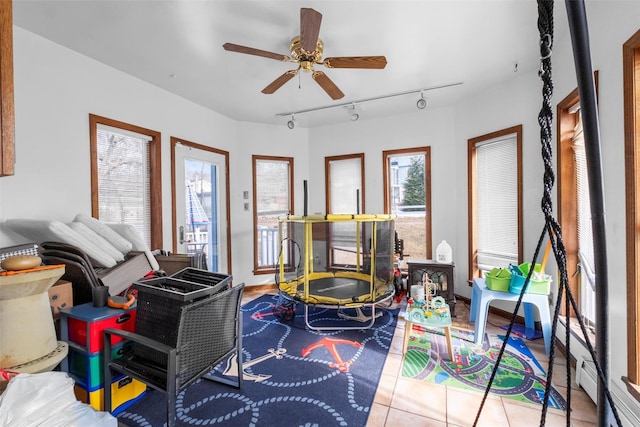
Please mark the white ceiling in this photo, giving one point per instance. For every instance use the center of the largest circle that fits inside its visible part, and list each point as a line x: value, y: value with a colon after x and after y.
x: 177, y: 45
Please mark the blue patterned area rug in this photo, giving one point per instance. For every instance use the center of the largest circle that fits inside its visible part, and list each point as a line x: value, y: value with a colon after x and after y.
x: 294, y: 376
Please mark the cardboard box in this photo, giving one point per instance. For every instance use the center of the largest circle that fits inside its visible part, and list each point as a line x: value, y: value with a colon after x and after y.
x: 60, y: 296
x: 173, y: 263
x: 122, y: 276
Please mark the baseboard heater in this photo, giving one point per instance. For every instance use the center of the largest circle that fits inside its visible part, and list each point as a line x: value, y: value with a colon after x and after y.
x: 586, y: 377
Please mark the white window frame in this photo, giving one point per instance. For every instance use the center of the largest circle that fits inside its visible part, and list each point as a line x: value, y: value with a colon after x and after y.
x: 266, y: 241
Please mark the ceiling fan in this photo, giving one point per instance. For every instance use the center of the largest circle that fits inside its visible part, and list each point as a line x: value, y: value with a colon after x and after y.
x: 306, y: 50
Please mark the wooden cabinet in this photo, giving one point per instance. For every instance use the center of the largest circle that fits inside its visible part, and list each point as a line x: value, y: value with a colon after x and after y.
x: 7, y: 115
x: 440, y: 274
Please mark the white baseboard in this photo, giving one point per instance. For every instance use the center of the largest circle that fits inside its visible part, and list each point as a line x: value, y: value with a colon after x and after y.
x: 627, y: 407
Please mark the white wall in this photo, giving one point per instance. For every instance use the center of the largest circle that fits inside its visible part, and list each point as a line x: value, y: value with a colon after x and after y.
x: 610, y: 25
x: 55, y: 91
x: 515, y: 102
x: 429, y: 127
x: 261, y: 140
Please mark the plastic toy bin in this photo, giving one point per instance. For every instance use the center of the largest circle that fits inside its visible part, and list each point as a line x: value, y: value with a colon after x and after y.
x: 539, y: 283
x: 498, y: 279
x: 517, y: 280
x: 125, y: 391
x: 86, y: 368
x: 86, y: 324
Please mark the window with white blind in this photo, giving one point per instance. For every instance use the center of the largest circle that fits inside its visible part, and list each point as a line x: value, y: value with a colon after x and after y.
x: 585, y: 234
x: 344, y: 188
x: 344, y: 180
x: 272, y: 197
x: 495, y: 202
x: 125, y: 183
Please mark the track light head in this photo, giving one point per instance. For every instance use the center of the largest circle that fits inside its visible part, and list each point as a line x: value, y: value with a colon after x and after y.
x: 422, y: 103
x: 291, y: 123
x: 351, y: 111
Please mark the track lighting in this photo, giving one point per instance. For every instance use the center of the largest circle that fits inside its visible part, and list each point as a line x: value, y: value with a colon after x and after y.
x: 352, y: 106
x: 292, y: 123
x: 422, y: 103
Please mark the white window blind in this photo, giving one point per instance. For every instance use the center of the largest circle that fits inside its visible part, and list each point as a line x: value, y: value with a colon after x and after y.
x: 497, y: 187
x: 585, y: 234
x: 345, y: 181
x: 124, y: 179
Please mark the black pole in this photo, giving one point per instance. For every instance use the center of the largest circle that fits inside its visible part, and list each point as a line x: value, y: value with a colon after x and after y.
x: 306, y: 198
x: 588, y: 106
x: 358, y: 201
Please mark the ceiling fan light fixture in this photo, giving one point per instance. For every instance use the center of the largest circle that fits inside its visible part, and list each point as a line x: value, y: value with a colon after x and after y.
x: 292, y: 123
x: 306, y: 50
x: 422, y: 103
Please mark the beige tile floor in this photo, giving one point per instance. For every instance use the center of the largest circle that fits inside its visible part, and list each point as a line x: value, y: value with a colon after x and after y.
x: 404, y: 402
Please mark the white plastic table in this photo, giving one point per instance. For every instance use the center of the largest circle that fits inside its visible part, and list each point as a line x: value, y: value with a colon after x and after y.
x: 482, y: 297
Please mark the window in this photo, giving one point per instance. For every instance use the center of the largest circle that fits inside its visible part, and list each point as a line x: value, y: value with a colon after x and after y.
x: 631, y: 73
x: 407, y: 193
x: 344, y: 182
x: 586, y: 267
x: 272, y: 197
x: 574, y: 213
x: 495, y: 201
x: 125, y: 176
x: 344, y: 186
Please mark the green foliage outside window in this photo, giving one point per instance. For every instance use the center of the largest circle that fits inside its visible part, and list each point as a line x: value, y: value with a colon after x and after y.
x: 414, y: 185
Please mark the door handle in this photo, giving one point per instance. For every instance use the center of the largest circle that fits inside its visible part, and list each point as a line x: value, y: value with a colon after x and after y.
x: 181, y: 234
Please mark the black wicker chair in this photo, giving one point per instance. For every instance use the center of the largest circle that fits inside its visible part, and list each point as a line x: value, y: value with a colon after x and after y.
x: 207, y: 331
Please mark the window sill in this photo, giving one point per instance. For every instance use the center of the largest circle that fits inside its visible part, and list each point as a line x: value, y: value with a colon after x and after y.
x: 265, y: 270
x: 576, y: 332
x: 633, y: 389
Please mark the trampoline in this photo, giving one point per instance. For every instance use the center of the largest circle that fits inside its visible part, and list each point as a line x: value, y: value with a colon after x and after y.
x: 337, y: 261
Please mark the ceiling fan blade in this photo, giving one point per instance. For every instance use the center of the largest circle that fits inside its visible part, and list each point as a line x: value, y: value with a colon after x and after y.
x: 277, y: 83
x: 251, y: 51
x: 310, y: 21
x: 376, y: 62
x: 325, y: 82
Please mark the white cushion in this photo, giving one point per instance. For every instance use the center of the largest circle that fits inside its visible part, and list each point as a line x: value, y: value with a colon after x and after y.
x: 42, y: 230
x: 96, y: 239
x: 130, y: 233
x: 116, y: 240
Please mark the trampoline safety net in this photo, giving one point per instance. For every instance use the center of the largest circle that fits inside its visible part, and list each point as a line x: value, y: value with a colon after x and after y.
x: 337, y: 259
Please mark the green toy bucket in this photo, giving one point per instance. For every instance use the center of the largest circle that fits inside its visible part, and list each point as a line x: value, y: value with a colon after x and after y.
x: 498, y: 279
x: 540, y: 283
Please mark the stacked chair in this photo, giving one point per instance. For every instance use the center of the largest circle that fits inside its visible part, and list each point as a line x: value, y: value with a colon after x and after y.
x: 78, y: 268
